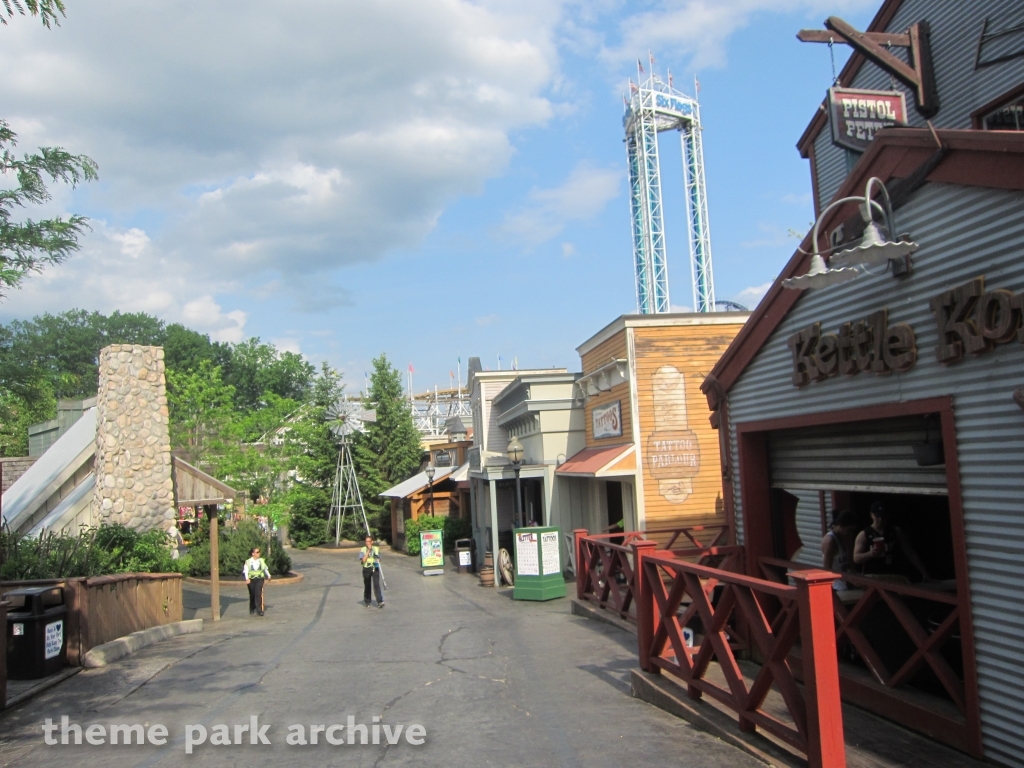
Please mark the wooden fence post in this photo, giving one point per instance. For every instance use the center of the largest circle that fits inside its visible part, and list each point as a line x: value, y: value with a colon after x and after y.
x: 581, y: 572
x: 3, y: 653
x: 646, y: 610
x: 825, y: 744
x: 211, y: 510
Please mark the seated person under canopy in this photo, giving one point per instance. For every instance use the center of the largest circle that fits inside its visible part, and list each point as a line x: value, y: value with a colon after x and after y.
x: 882, y: 548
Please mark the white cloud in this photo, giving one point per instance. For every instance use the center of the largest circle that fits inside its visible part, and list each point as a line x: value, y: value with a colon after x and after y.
x: 568, y: 250
x: 204, y: 314
x: 133, y: 242
x: 697, y: 30
x: 486, y: 320
x: 287, y: 344
x: 274, y: 146
x: 581, y: 196
x: 751, y: 296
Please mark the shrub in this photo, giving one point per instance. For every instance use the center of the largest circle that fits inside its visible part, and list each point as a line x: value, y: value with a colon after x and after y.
x: 452, y: 527
x: 307, y: 524
x: 90, y: 552
x: 234, y: 547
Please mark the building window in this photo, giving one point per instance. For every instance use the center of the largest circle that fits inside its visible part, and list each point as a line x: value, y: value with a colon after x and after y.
x: 1005, y: 113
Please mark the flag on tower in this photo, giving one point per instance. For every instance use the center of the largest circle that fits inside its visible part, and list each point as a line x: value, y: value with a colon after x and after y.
x: 650, y: 57
x: 640, y: 66
x: 632, y: 88
x: 670, y: 78
x: 411, y: 368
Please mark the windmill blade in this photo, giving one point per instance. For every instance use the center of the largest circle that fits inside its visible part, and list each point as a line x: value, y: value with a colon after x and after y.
x: 370, y: 415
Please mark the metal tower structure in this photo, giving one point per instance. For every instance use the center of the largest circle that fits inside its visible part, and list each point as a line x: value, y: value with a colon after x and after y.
x: 432, y: 409
x: 344, y: 418
x: 655, y: 106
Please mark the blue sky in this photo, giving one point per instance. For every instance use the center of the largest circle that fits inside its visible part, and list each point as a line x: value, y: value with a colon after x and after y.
x: 425, y: 178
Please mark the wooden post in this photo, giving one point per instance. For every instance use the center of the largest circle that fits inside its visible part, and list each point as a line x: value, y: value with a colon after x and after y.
x: 211, y: 511
x: 3, y: 653
x: 581, y: 572
x: 825, y: 745
x: 646, y: 610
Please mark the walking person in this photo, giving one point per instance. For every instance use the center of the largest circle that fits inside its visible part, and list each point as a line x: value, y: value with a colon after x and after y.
x: 369, y: 557
x: 256, y: 572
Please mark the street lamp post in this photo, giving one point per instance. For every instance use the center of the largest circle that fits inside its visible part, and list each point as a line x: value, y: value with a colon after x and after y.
x: 515, y: 455
x: 430, y: 484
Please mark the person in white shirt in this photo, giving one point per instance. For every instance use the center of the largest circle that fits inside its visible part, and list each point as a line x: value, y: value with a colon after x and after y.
x: 256, y: 572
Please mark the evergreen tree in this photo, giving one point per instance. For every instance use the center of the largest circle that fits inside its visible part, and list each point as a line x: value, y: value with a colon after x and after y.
x: 389, y: 451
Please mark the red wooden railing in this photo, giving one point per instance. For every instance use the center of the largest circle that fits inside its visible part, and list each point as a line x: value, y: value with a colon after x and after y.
x: 605, y: 562
x: 774, y: 616
x: 907, y: 603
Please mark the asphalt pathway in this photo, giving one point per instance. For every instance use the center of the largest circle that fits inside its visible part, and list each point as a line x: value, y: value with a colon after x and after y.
x: 491, y: 681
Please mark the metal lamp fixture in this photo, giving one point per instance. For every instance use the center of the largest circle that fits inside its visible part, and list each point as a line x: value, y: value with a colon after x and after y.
x: 515, y: 455
x: 874, y: 247
x: 431, y: 470
x: 515, y: 450
x: 820, y: 276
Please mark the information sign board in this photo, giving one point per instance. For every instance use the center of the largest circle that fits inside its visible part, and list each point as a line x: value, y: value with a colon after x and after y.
x: 431, y: 549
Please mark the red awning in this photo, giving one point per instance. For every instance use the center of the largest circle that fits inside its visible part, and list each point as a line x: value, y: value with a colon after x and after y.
x: 598, y: 462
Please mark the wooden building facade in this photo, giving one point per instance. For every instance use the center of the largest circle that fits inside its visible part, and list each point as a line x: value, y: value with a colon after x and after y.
x: 650, y: 458
x: 922, y: 414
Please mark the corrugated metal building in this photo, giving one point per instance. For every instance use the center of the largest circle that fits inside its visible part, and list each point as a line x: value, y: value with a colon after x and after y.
x: 935, y: 429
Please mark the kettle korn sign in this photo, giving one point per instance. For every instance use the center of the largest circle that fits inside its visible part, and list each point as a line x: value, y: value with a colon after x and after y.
x: 857, y: 115
x: 607, y: 420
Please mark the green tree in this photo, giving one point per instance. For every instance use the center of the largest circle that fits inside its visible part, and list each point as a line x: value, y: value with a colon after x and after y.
x: 185, y: 349
x: 46, y: 10
x: 29, y: 246
x: 201, y: 412
x: 256, y: 368
x: 389, y: 451
x: 315, y: 454
x: 65, y: 347
x: 31, y: 403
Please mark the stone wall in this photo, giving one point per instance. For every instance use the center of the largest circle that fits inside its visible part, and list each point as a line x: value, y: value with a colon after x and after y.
x: 14, y: 467
x: 133, y: 447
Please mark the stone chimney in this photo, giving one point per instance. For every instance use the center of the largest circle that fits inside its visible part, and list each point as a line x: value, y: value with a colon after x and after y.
x: 133, y: 445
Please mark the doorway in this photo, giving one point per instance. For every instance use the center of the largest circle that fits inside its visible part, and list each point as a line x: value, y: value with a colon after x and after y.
x: 613, y: 502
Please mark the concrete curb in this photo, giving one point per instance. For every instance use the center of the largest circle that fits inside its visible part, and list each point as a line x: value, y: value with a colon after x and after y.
x: 589, y: 611
x: 102, y: 655
x: 702, y: 714
x: 291, y: 578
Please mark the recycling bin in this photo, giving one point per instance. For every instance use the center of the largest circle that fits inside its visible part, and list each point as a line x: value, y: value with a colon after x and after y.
x: 36, y: 645
x: 464, y: 555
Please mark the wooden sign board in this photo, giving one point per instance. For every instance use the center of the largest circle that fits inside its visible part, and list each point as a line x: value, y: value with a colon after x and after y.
x: 857, y: 115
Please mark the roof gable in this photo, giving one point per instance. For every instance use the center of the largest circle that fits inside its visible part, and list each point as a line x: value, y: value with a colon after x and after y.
x: 971, y: 158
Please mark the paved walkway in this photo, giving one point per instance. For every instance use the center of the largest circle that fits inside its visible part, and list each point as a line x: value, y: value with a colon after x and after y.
x: 493, y: 681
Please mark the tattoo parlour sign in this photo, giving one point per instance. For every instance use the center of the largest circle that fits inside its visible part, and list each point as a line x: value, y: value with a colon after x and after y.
x: 857, y: 115
x: 969, y: 319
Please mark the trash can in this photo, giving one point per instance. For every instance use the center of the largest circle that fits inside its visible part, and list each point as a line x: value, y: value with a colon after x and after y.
x: 36, y: 646
x: 464, y: 555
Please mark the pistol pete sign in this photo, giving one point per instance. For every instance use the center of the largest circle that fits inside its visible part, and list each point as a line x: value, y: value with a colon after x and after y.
x: 857, y: 115
x: 607, y: 420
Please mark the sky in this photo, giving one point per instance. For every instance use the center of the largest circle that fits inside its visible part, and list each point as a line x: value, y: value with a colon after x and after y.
x: 430, y: 179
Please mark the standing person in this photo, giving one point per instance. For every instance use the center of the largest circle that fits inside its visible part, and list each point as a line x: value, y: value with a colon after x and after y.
x: 255, y: 571
x: 837, y: 546
x: 369, y: 557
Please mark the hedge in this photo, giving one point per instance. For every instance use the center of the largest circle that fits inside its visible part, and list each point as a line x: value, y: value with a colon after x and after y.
x: 453, y: 528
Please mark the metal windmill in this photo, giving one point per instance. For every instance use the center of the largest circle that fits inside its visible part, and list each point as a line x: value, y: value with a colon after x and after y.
x: 344, y: 418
